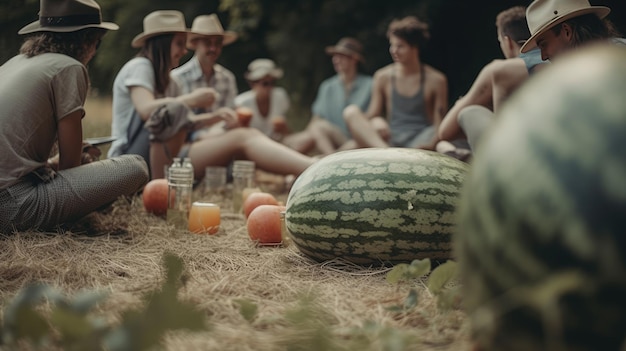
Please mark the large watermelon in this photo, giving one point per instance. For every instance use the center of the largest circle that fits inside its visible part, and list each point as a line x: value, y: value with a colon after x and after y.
x: 372, y: 206
x: 542, y: 217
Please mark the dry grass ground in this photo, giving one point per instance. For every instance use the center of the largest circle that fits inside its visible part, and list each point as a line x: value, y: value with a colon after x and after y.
x: 120, y: 251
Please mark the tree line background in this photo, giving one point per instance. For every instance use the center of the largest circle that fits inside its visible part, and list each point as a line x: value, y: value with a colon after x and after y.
x: 294, y: 33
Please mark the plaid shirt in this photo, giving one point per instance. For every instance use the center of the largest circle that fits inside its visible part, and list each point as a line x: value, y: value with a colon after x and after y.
x: 189, y: 77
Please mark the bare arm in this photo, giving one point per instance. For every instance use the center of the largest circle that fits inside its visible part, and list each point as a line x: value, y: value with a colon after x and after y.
x: 440, y: 105
x: 377, y: 100
x: 145, y: 102
x: 480, y: 93
x: 70, y: 135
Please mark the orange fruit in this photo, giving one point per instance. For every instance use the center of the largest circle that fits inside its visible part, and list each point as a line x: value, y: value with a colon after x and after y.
x: 264, y: 224
x: 257, y: 199
x: 155, y: 197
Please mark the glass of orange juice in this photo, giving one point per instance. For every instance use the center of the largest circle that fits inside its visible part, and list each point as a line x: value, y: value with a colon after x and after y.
x: 204, y: 218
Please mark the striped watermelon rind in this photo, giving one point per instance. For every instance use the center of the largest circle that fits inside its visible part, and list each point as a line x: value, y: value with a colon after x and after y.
x: 376, y: 205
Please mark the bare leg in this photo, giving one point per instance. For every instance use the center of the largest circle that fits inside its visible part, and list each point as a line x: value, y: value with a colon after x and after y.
x: 362, y: 130
x: 475, y: 120
x: 327, y: 136
x: 268, y: 154
x: 302, y: 142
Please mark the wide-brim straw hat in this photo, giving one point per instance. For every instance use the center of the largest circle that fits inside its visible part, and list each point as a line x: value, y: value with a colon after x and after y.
x: 260, y: 68
x: 68, y: 16
x: 349, y: 47
x: 542, y: 15
x: 209, y: 25
x: 160, y: 22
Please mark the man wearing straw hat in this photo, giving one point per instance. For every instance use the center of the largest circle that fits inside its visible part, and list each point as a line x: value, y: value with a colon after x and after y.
x: 207, y: 39
x: 327, y: 132
x: 559, y: 25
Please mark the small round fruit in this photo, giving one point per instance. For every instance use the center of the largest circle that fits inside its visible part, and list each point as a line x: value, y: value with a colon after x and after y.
x: 155, y: 197
x: 257, y: 199
x: 264, y: 224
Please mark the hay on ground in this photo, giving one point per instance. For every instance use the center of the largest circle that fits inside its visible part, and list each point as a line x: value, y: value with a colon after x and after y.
x: 125, y: 259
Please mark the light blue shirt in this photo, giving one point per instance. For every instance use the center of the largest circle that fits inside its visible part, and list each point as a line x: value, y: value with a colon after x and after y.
x: 332, y: 99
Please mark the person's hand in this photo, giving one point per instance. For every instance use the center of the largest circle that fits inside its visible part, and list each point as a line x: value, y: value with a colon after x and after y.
x: 229, y: 116
x: 279, y: 125
x: 90, y: 153
x: 201, y: 97
x: 381, y: 127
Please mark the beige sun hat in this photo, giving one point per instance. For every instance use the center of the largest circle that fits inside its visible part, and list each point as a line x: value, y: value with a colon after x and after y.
x: 542, y: 15
x: 160, y: 22
x: 208, y: 25
x: 347, y: 46
x: 68, y: 16
x: 260, y: 68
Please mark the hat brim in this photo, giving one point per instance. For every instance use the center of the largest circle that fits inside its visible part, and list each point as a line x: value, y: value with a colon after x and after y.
x: 36, y: 27
x: 229, y: 38
x: 600, y: 11
x: 141, y: 38
x: 331, y: 50
x: 276, y: 73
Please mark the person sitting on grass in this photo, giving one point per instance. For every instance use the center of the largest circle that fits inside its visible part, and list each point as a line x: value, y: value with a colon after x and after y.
x: 207, y: 39
x: 473, y: 113
x: 163, y: 43
x: 412, y: 94
x: 268, y: 103
x: 327, y: 132
x: 43, y: 91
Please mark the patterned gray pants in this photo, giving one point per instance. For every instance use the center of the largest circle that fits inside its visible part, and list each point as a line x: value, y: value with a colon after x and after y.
x: 71, y: 194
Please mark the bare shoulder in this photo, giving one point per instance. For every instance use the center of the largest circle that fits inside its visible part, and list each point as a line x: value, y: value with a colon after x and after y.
x: 383, y: 74
x: 513, y: 68
x: 434, y: 75
x: 506, y: 65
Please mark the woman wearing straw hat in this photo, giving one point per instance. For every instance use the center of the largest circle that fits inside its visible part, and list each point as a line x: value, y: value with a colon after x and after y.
x: 559, y: 25
x: 42, y: 93
x: 142, y: 88
x: 137, y: 92
x: 268, y: 103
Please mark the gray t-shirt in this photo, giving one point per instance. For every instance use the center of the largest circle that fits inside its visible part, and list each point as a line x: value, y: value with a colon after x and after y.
x: 35, y: 93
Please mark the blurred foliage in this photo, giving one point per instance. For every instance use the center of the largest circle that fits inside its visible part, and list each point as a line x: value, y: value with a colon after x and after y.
x: 295, y: 33
x: 440, y: 283
x: 70, y: 324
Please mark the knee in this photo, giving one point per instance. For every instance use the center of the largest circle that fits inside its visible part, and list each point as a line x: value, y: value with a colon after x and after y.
x: 471, y: 112
x: 351, y: 112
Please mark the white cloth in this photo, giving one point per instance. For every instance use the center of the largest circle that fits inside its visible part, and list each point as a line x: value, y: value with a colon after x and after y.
x: 279, y: 104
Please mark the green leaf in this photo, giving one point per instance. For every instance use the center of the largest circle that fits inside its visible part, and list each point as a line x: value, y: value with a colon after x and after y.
x: 397, y: 273
x: 440, y: 276
x: 72, y: 326
x: 29, y: 325
x: 419, y: 268
x: 143, y: 329
x: 85, y: 301
x: 411, y: 300
x: 247, y: 308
